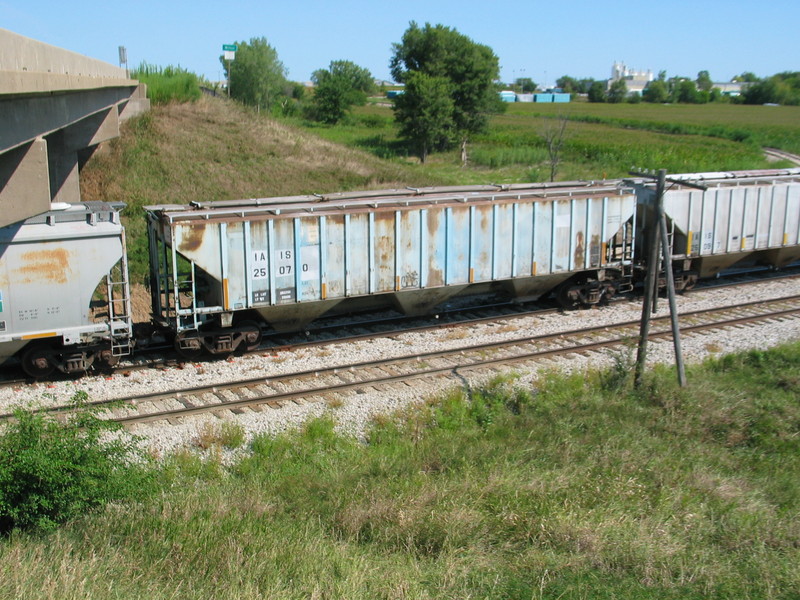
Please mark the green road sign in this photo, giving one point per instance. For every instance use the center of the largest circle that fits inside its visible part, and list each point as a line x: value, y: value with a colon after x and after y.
x: 230, y: 47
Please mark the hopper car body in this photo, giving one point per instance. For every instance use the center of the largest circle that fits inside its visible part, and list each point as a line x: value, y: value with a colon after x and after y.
x: 218, y: 268
x: 741, y: 219
x: 64, y: 298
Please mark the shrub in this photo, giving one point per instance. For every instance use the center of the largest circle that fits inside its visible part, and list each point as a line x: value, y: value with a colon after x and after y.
x: 53, y: 471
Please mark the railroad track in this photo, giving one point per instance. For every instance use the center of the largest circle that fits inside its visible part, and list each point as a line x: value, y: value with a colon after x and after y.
x: 274, y: 392
x: 780, y: 154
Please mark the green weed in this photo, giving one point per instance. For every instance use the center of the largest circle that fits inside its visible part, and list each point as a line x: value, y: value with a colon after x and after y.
x: 51, y: 471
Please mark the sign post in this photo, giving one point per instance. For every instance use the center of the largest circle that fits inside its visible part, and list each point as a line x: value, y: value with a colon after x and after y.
x: 229, y: 51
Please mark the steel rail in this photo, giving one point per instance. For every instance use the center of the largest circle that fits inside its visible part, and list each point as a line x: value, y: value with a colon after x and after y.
x: 276, y: 399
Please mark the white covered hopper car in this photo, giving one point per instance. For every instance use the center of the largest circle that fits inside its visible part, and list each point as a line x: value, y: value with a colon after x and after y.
x: 64, y: 300
x: 220, y: 268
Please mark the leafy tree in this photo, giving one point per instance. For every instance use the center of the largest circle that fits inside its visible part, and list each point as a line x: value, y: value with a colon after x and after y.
x: 704, y: 82
x: 617, y: 91
x: 781, y: 88
x: 469, y: 68
x: 633, y: 98
x: 257, y: 78
x: 716, y: 95
x: 747, y: 77
x: 585, y: 84
x: 340, y: 87
x: 656, y: 91
x: 597, y: 92
x: 569, y: 84
x: 572, y: 85
x: 525, y: 84
x: 425, y: 113
x: 686, y: 92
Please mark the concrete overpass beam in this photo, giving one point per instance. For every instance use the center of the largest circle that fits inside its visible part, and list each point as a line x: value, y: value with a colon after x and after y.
x: 94, y: 129
x: 67, y: 146
x: 24, y: 182
x: 26, y: 118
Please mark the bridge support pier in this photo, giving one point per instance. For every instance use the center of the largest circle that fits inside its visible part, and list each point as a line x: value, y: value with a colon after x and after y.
x: 24, y: 181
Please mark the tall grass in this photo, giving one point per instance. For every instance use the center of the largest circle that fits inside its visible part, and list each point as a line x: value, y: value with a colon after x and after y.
x: 579, y: 487
x: 168, y: 84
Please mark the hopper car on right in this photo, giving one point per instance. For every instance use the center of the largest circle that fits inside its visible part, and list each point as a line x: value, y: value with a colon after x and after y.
x: 741, y: 219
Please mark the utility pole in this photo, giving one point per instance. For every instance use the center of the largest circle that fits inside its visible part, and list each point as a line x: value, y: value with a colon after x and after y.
x: 651, y: 280
x: 658, y: 229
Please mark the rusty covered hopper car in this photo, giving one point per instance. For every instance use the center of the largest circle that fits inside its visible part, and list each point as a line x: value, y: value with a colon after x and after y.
x: 64, y: 299
x: 220, y: 268
x: 742, y: 218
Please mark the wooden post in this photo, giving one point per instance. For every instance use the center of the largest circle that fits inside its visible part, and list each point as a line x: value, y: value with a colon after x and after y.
x: 651, y: 281
x: 673, y: 309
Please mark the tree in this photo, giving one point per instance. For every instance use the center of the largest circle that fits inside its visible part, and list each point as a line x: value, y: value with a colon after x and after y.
x: 257, y: 78
x: 746, y: 77
x: 656, y: 91
x: 585, y: 85
x: 704, y: 82
x: 781, y: 88
x: 425, y: 113
x: 597, y: 92
x: 446, y: 56
x: 617, y: 91
x: 338, y: 88
x: 553, y: 133
x: 686, y: 92
x: 569, y: 84
x: 525, y: 84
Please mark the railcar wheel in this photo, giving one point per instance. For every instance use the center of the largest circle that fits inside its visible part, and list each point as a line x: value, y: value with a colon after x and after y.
x: 569, y: 297
x: 691, y: 282
x: 37, y: 361
x: 252, y: 335
x: 187, y: 347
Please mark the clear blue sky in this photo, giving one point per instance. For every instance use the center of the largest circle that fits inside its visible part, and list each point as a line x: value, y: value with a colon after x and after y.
x: 538, y: 39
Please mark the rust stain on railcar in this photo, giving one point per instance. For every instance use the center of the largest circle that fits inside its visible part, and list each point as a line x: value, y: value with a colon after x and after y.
x: 594, y: 251
x: 579, y: 250
x: 384, y: 226
x: 435, y: 272
x: 192, y: 237
x: 50, y: 265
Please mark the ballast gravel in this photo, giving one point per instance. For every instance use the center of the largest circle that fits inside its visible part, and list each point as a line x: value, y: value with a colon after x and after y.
x: 354, y: 411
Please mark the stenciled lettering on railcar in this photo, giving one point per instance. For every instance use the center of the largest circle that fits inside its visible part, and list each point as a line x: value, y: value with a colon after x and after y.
x: 284, y: 263
x: 259, y: 265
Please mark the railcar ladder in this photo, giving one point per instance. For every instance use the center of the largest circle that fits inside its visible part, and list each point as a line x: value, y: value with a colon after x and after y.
x: 623, y: 250
x: 119, y: 306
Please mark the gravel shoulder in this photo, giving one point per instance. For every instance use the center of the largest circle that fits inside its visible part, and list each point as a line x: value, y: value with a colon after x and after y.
x: 353, y: 412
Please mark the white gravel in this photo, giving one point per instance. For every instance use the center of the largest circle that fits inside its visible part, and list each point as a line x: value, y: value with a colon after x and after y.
x: 354, y: 411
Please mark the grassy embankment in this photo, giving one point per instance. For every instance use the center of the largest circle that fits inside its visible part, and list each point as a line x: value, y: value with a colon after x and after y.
x: 580, y: 488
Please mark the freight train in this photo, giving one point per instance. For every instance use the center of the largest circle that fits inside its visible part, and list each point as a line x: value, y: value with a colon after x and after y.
x: 220, y: 272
